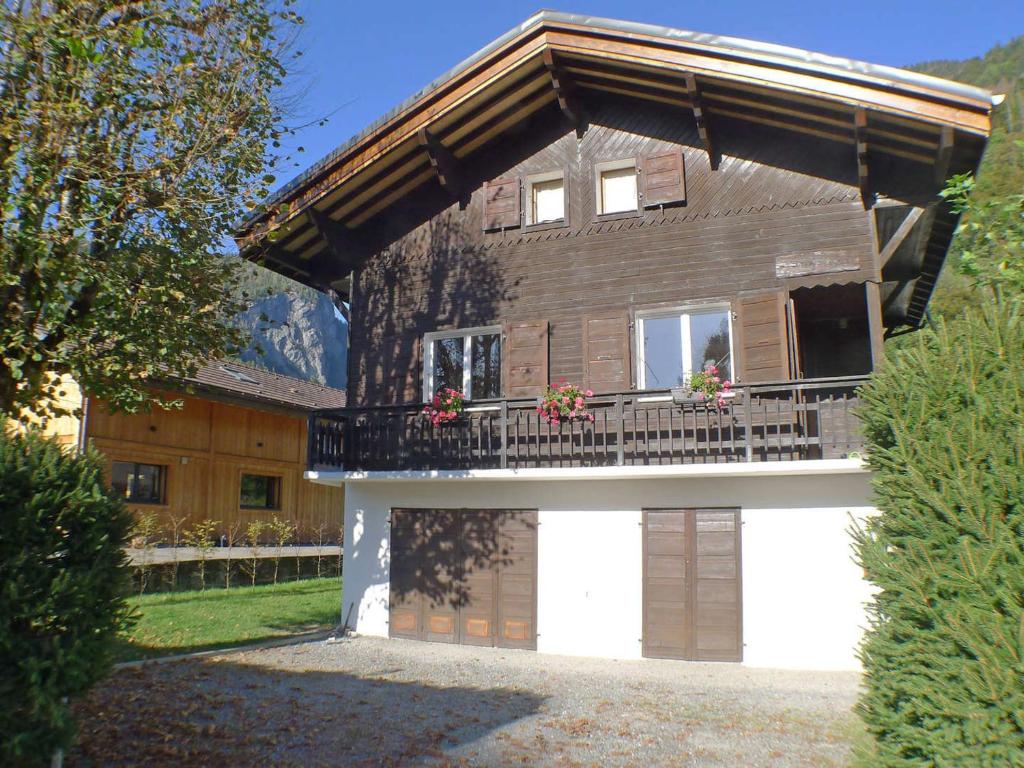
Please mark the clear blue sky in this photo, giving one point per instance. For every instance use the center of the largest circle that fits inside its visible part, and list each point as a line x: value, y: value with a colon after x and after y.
x: 363, y: 58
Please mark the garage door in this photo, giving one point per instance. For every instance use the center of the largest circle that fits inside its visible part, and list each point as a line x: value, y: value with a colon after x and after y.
x: 464, y: 576
x: 691, y: 584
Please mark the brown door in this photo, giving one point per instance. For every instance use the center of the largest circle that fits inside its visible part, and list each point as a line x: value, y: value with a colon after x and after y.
x: 691, y: 584
x: 464, y: 576
x: 517, y: 579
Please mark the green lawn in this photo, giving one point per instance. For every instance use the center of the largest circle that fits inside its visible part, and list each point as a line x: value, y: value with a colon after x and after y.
x: 183, y: 622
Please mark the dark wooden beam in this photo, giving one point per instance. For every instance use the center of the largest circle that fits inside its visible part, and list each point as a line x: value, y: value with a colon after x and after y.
x: 876, y: 326
x: 899, y: 236
x: 860, y: 134
x: 342, y: 243
x: 443, y: 162
x: 565, y: 90
x: 944, y: 155
x: 700, y: 116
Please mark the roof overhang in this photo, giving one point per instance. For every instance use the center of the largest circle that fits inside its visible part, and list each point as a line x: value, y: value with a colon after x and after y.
x: 312, y: 228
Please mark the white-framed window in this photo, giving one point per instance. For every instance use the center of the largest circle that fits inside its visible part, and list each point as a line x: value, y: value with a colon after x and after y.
x: 545, y: 198
x: 468, y: 360
x: 673, y: 344
x: 616, y: 190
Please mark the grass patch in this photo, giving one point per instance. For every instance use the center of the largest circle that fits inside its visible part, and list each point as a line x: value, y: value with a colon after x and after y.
x: 185, y: 622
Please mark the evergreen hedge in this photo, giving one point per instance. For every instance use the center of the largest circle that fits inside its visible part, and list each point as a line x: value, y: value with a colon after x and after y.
x: 63, y: 578
x: 944, y: 678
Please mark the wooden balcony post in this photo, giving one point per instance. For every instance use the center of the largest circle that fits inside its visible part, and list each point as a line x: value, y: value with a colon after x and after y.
x: 748, y: 427
x: 504, y: 434
x: 620, y: 432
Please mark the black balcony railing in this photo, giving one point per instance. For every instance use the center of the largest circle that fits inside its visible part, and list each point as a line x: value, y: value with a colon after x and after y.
x: 807, y: 419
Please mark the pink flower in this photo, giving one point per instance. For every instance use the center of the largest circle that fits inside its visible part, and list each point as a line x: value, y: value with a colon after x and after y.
x: 726, y: 384
x: 565, y: 399
x: 590, y: 417
x: 572, y: 413
x: 579, y: 402
x: 588, y: 393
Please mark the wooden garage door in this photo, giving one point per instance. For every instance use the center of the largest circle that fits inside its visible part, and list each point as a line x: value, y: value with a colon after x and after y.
x: 691, y: 584
x: 464, y: 576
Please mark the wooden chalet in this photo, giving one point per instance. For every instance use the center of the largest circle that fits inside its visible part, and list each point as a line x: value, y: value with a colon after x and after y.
x: 617, y: 205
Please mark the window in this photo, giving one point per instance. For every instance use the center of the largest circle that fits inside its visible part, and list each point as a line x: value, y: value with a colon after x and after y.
x: 616, y: 187
x: 139, y: 483
x: 468, y: 360
x: 545, y: 194
x: 260, y: 492
x: 678, y: 343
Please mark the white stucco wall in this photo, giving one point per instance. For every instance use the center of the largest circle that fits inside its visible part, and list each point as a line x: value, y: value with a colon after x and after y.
x: 802, y: 595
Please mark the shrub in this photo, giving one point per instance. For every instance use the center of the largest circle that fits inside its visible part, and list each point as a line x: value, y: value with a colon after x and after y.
x: 63, y: 580
x: 944, y: 678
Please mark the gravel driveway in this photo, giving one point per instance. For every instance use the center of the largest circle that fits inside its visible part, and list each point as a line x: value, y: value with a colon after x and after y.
x: 370, y: 702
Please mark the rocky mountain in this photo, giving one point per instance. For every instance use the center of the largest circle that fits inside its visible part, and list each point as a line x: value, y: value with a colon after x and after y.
x: 296, y: 331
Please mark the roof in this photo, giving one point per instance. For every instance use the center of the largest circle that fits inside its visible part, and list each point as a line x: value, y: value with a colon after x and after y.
x: 741, y: 48
x: 248, y: 383
x: 314, y: 229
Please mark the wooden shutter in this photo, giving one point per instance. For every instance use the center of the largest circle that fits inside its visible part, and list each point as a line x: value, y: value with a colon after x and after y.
x: 762, y: 341
x: 606, y: 364
x: 501, y: 204
x: 525, y: 358
x: 663, y: 178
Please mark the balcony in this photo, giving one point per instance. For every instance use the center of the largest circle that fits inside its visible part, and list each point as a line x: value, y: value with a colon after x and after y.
x: 786, y: 421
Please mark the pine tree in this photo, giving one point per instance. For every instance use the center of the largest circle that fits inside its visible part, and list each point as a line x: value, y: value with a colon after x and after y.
x: 944, y: 676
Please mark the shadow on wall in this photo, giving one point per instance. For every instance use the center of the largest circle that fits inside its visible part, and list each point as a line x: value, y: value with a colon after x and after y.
x: 204, y: 712
x: 439, y: 551
x: 435, y: 278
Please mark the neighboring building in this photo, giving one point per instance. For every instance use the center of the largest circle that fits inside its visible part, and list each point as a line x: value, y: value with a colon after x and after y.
x: 616, y: 205
x: 234, y: 452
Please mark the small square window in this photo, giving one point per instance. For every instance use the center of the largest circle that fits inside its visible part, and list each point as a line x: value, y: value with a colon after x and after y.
x: 260, y: 492
x: 616, y: 187
x: 467, y: 360
x: 546, y: 198
x: 139, y: 483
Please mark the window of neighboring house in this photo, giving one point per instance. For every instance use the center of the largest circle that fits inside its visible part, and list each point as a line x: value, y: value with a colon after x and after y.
x: 676, y: 344
x: 545, y: 194
x: 468, y: 360
x: 139, y: 483
x: 260, y: 492
x: 616, y: 187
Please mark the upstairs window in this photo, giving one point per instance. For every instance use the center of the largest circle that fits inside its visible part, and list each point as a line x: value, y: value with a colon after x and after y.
x: 260, y: 492
x: 467, y: 360
x: 616, y: 187
x: 545, y: 194
x: 139, y: 483
x: 676, y: 344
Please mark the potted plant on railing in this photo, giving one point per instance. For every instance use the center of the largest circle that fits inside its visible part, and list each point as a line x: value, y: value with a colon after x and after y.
x: 445, y: 407
x: 565, y: 402
x: 703, y: 388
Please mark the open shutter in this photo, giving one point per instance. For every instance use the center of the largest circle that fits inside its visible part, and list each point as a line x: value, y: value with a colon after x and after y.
x: 525, y: 358
x: 501, y: 204
x: 606, y: 364
x: 762, y: 341
x: 663, y: 179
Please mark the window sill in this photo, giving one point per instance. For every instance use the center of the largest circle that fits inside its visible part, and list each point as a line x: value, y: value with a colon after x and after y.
x: 560, y: 224
x: 601, y: 217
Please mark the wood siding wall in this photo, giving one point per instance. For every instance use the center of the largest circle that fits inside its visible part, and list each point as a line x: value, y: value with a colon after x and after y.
x: 206, y: 447
x: 773, y: 199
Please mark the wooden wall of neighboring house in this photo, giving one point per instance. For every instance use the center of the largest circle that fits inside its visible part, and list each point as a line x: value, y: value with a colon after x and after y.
x: 773, y: 200
x: 206, y: 447
x: 64, y: 428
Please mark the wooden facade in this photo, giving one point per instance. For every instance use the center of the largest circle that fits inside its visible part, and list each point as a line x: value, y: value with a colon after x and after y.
x: 206, y: 447
x: 776, y: 200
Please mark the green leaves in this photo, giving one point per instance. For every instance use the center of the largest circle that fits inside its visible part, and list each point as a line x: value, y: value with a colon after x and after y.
x: 944, y: 676
x: 130, y: 138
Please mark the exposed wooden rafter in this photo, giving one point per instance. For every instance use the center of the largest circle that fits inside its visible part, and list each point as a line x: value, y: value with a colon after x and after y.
x: 565, y: 91
x: 860, y: 135
x: 899, y: 236
x: 445, y: 166
x: 944, y: 155
x: 700, y: 116
x: 344, y: 248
